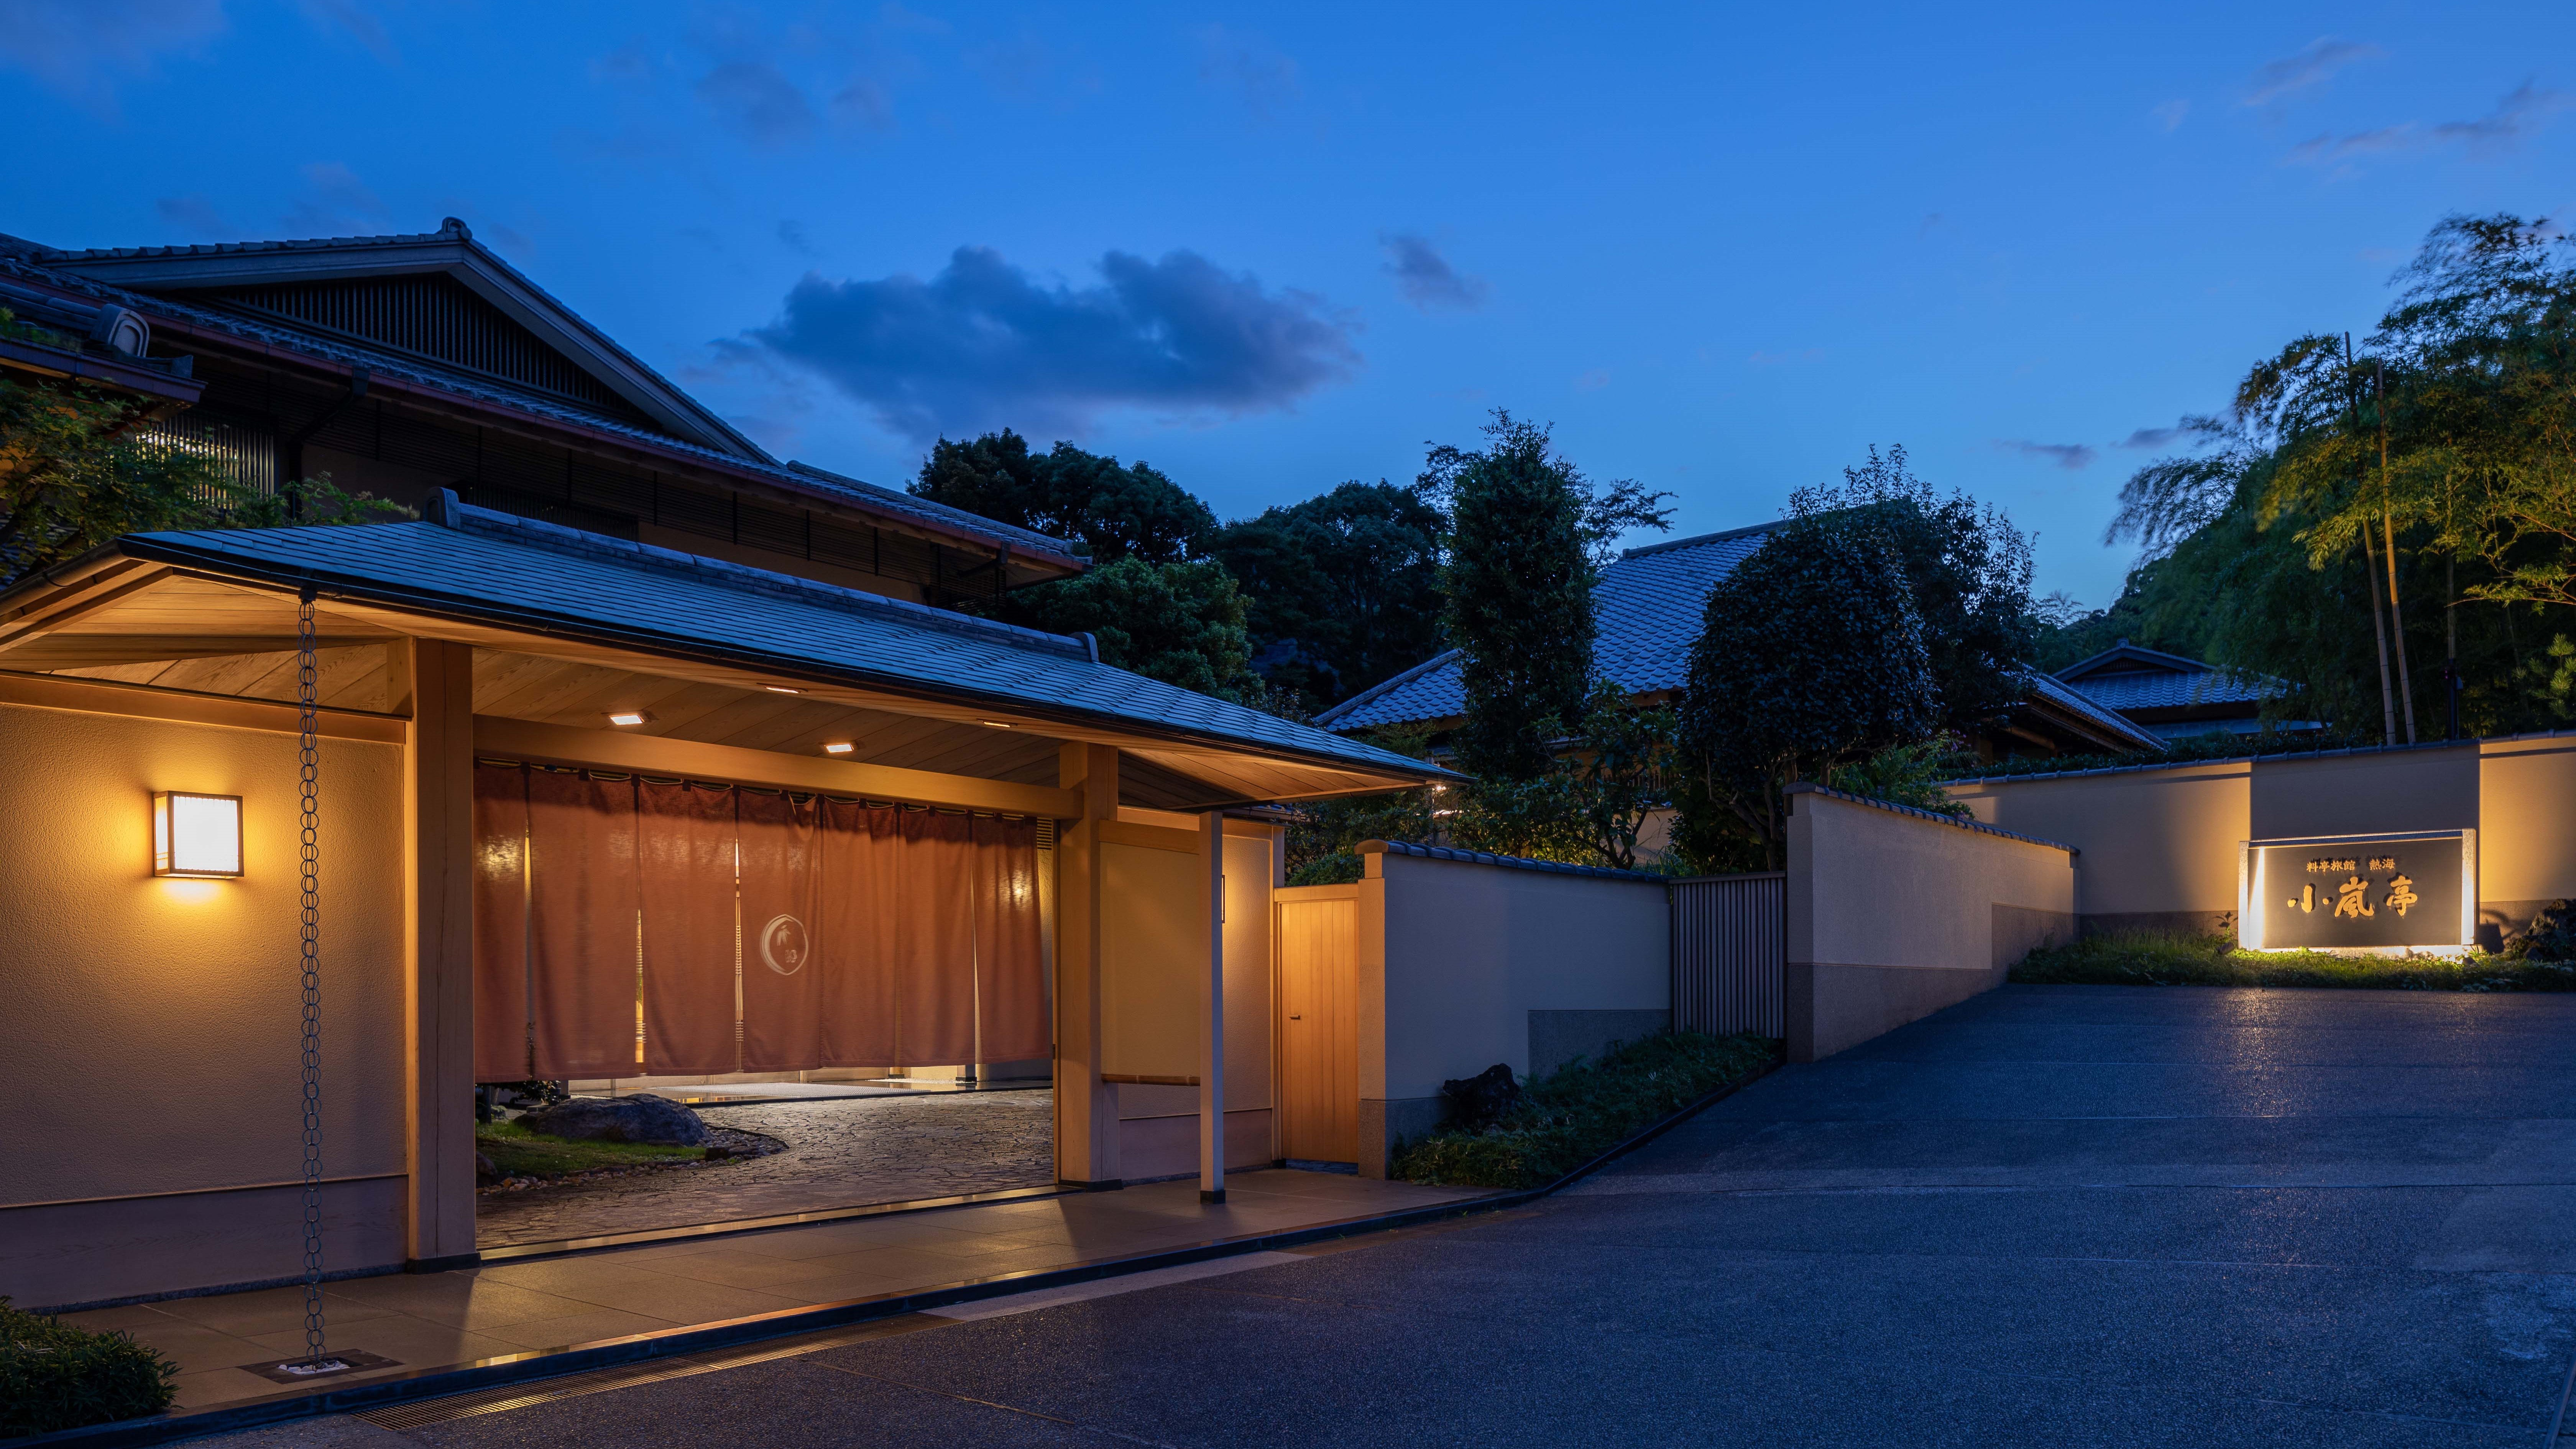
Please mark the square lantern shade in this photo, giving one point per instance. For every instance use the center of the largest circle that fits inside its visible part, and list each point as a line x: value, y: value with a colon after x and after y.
x: 196, y: 835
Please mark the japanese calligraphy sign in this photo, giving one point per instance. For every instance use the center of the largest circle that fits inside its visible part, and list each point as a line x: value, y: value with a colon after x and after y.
x: 2358, y: 891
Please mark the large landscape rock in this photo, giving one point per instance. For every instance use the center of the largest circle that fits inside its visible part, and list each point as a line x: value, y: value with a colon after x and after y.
x: 644, y: 1118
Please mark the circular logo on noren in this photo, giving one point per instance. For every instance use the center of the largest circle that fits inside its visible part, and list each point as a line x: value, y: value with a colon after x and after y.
x: 784, y: 946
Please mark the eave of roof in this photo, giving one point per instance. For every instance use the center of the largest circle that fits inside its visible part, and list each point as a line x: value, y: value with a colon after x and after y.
x: 528, y: 576
x: 402, y: 373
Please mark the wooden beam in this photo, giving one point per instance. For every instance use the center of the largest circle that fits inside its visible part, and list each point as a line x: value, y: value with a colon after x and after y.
x: 1212, y: 1017
x: 87, y: 597
x: 1149, y: 837
x: 140, y: 701
x: 521, y: 739
x: 1086, y: 1106
x: 438, y: 956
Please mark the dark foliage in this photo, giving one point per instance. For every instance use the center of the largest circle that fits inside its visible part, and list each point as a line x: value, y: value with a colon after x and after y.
x: 1969, y: 569
x: 1181, y: 623
x: 54, y: 1376
x: 1343, y: 588
x: 1810, y: 656
x: 1528, y: 534
x: 1584, y: 1109
x: 1118, y: 510
x: 2167, y: 959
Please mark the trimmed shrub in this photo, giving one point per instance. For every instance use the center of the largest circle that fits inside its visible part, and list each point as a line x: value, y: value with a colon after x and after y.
x: 1584, y: 1109
x: 54, y: 1376
x: 2150, y: 958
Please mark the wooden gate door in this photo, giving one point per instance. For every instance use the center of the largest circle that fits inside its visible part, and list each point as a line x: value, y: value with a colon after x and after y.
x: 1319, y: 1069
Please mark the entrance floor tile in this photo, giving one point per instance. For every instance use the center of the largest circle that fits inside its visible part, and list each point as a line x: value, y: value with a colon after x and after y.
x: 438, y: 1320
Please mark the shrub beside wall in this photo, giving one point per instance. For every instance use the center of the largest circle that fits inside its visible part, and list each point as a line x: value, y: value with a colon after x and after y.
x: 2169, y: 959
x: 1584, y: 1109
x: 53, y: 1376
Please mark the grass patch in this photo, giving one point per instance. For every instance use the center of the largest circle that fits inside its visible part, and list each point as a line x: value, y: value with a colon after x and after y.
x: 519, y: 1152
x: 54, y: 1376
x: 2144, y: 958
x: 1584, y: 1109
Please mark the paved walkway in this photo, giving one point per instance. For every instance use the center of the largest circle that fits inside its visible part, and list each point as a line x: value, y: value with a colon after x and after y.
x: 850, y: 1152
x: 440, y: 1319
x: 2053, y: 1216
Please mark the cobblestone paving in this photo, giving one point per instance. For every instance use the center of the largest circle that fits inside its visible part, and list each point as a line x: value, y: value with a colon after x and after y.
x: 845, y: 1153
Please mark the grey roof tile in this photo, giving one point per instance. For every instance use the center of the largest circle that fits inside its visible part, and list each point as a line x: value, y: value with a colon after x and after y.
x: 521, y: 571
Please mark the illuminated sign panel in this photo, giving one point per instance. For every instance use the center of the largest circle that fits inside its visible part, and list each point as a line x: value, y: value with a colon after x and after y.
x: 2360, y: 892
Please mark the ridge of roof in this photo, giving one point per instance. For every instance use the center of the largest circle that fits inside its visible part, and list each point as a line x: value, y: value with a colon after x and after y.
x: 450, y: 229
x: 2254, y: 758
x: 1701, y: 540
x: 538, y: 533
x: 402, y: 367
x: 1387, y: 685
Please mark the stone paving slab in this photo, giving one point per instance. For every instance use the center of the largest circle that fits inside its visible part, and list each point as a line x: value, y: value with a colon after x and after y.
x: 841, y: 1152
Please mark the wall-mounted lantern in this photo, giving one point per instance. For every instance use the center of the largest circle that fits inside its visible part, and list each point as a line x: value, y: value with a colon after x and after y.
x: 196, y: 836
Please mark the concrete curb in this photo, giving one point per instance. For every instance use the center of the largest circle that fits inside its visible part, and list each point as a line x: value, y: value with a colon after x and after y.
x: 541, y: 1364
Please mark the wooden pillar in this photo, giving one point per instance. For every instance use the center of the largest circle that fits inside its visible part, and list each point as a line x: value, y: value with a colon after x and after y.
x: 433, y: 681
x: 1086, y: 1108
x: 1212, y: 1020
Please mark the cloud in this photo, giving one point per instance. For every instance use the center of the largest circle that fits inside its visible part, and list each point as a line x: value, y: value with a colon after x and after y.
x: 984, y: 345
x: 626, y: 63
x: 791, y: 235
x: 81, y: 48
x: 1424, y: 277
x: 1257, y: 72
x: 863, y: 102
x: 2170, y: 114
x: 2320, y: 59
x: 196, y: 215
x: 1592, y: 380
x: 339, y: 205
x: 2522, y: 112
x: 2064, y: 455
x: 759, y: 103
x: 2155, y: 437
x: 361, y: 26
x: 1783, y: 359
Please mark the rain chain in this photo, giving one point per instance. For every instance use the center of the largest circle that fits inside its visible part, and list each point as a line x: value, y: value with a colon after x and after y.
x: 309, y: 757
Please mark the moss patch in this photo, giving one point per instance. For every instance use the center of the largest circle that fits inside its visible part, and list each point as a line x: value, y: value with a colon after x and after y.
x: 1584, y: 1109
x: 2175, y: 959
x: 519, y: 1152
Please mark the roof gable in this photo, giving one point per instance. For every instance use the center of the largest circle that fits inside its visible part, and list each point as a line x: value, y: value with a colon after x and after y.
x: 2125, y: 657
x: 487, y: 318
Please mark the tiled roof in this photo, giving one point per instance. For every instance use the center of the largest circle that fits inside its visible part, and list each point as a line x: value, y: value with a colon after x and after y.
x: 1507, y: 862
x: 520, y: 572
x: 24, y: 260
x: 2165, y: 689
x: 2065, y: 697
x: 1647, y: 609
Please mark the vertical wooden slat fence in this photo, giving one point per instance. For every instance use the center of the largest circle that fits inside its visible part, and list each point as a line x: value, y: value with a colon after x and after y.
x: 1729, y: 943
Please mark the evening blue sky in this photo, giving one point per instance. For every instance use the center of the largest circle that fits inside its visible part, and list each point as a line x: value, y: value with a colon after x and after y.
x: 1722, y: 249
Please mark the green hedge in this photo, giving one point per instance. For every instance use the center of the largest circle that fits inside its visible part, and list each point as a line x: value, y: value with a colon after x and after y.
x: 53, y: 1376
x: 1584, y: 1109
x: 2145, y: 958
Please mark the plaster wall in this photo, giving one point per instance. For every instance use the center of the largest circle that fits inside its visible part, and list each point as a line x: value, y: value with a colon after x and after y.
x: 1894, y: 915
x: 2365, y: 794
x: 1159, y: 1124
x: 1463, y: 965
x: 2526, y: 829
x: 2158, y: 847
x: 153, y: 1027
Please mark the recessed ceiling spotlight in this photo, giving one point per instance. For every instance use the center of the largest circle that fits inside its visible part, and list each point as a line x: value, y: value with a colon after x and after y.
x: 839, y: 747
x: 781, y: 689
x: 994, y: 724
x: 628, y: 717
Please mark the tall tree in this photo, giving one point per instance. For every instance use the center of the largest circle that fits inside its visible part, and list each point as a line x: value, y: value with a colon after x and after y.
x: 1528, y: 536
x: 1181, y: 623
x: 1810, y: 658
x: 1968, y: 570
x: 1119, y: 510
x: 1344, y: 588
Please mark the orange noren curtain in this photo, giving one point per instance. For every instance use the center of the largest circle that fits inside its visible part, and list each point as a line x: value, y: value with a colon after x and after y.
x: 1010, y: 960
x: 685, y: 841
x: 854, y: 950
x: 582, y: 931
x: 782, y: 1029
x: 934, y: 963
x: 500, y: 923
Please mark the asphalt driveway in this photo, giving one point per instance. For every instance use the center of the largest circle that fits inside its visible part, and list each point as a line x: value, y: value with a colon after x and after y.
x: 2052, y: 1216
